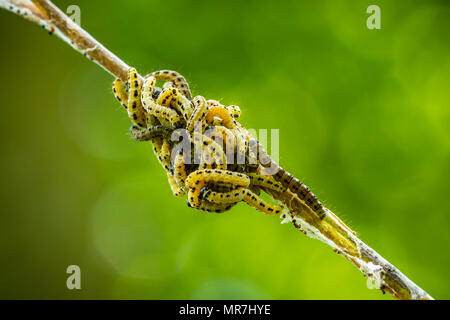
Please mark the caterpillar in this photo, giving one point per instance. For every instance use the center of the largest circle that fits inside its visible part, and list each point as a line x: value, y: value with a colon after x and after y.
x: 301, y: 190
x: 178, y: 80
x: 213, y: 207
x: 164, y: 155
x: 119, y: 93
x: 170, y: 97
x: 241, y: 144
x: 212, y: 154
x: 221, y: 187
x: 266, y: 182
x: 226, y: 138
x: 223, y: 113
x: 149, y: 133
x: 148, y: 89
x: 235, y: 111
x: 232, y: 196
x: 218, y: 175
x: 180, y: 169
x: 198, y: 115
x: 176, y: 189
x: 135, y: 110
x: 259, y: 204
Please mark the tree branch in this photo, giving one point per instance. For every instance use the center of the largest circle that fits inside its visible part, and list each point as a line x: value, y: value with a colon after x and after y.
x: 47, y: 15
x: 332, y: 231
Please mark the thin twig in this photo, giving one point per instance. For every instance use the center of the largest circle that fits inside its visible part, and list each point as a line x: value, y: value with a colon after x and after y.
x: 331, y: 231
x: 46, y: 14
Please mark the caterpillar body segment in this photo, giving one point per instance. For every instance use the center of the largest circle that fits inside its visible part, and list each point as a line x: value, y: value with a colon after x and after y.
x: 212, y: 154
x: 162, y: 112
x: 259, y: 204
x: 255, y: 189
x: 170, y: 97
x: 213, y: 207
x: 266, y: 182
x: 136, y: 112
x: 167, y: 97
x: 119, y: 93
x: 176, y: 189
x: 223, y: 133
x: 198, y: 115
x: 253, y: 153
x: 147, y: 99
x: 164, y: 155
x: 194, y: 193
x: 178, y: 80
x: 179, y: 168
x: 232, y: 196
x: 185, y: 106
x: 157, y: 145
x: 222, y: 187
x: 241, y: 145
x: 149, y: 133
x: 217, y: 175
x: 301, y: 190
x: 226, y: 138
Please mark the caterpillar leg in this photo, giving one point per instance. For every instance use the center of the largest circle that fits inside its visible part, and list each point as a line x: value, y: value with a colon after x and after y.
x: 259, y: 204
x: 178, y: 80
x: 135, y: 110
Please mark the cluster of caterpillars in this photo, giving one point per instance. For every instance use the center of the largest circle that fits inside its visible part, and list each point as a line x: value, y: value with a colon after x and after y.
x: 213, y: 180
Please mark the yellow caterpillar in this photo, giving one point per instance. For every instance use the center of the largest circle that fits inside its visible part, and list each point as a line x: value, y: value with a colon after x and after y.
x: 213, y: 207
x: 178, y: 80
x: 176, y: 189
x: 198, y: 115
x: 232, y: 196
x: 131, y: 102
x: 212, y: 154
x: 235, y: 111
x: 170, y: 97
x: 197, y: 180
x: 266, y: 182
x: 259, y: 204
x: 179, y: 169
x: 149, y: 133
x: 135, y: 110
x: 118, y: 92
x: 223, y: 113
x: 164, y: 155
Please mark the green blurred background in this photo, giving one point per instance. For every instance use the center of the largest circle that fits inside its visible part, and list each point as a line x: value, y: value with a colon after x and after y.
x: 363, y: 117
